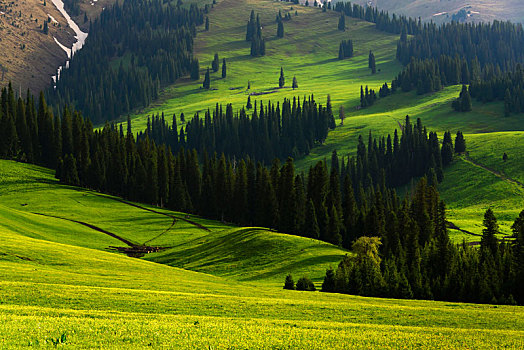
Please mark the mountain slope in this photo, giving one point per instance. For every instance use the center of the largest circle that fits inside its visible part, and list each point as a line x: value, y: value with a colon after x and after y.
x: 29, y: 56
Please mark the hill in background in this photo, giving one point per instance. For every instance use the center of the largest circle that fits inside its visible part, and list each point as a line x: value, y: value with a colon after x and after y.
x: 442, y: 11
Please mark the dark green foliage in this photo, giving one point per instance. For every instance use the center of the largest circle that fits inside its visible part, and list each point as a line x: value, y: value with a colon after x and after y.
x: 254, y: 35
x: 463, y: 103
x: 289, y: 283
x: 195, y: 70
x: 224, y: 69
x: 460, y: 143
x: 505, y: 157
x: 281, y: 79
x: 280, y: 29
x: 305, y: 284
x: 215, y: 64
x: 295, y: 83
x: 371, y: 63
x: 368, y: 97
x: 328, y: 285
x: 447, y: 149
x: 342, y: 22
x: 157, y: 38
x: 345, y: 49
x: 207, y: 24
x: 207, y: 80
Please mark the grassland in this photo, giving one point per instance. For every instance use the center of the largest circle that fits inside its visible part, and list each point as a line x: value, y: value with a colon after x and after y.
x: 59, y: 286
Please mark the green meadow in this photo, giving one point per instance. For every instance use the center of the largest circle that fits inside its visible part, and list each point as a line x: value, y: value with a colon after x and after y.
x: 60, y: 286
x: 309, y: 51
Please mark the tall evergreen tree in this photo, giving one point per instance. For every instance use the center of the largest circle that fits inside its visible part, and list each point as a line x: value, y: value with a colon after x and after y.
x: 282, y: 79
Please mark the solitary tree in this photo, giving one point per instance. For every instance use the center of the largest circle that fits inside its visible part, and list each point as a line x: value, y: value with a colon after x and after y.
x: 372, y: 63
x: 207, y: 24
x: 341, y: 115
x: 207, y: 80
x: 295, y: 83
x: 215, y: 63
x: 342, y: 22
x: 224, y: 68
x: 289, y: 283
x: 281, y: 80
x: 280, y: 29
x: 248, y: 104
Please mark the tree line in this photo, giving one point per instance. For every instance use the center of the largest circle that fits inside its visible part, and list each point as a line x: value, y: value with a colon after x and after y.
x: 133, y: 49
x: 292, y: 128
x: 414, y: 258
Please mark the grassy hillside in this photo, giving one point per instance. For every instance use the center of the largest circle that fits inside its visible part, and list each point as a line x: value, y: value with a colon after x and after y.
x: 30, y: 56
x: 439, y: 11
x: 309, y: 51
x: 58, y: 286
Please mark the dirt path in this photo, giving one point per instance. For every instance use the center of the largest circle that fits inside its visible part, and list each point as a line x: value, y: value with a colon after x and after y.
x: 93, y: 227
x: 163, y: 233
x: 498, y: 174
x: 200, y: 226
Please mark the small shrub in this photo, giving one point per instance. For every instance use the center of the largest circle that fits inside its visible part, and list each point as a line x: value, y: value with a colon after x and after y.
x: 289, y: 283
x: 306, y: 284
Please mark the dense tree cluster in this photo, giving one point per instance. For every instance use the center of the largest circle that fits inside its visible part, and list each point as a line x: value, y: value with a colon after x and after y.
x: 394, y: 24
x: 133, y: 48
x: 345, y: 50
x: 254, y: 35
x: 496, y: 86
x: 367, y: 97
x: 292, y: 128
x: 463, y: 103
x: 497, y: 43
x: 414, y: 258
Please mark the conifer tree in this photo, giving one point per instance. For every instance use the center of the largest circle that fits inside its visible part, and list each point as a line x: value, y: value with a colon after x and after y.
x: 215, y: 63
x: 311, y: 228
x: 372, y: 65
x: 281, y: 80
x: 289, y: 283
x: 280, y: 29
x: 488, y: 242
x: 207, y: 24
x: 460, y: 143
x: 342, y: 22
x: 328, y: 285
x: 207, y: 80
x: 295, y: 83
x: 224, y: 69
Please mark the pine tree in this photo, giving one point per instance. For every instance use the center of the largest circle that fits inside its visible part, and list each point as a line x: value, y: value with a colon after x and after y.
x: 342, y: 22
x: 207, y: 80
x: 195, y: 70
x: 311, y: 228
x: 281, y: 80
x: 371, y: 63
x: 518, y: 257
x: 328, y: 285
x: 224, y: 69
x: 460, y: 143
x: 215, y: 63
x: 280, y: 29
x: 207, y: 24
x: 248, y: 104
x: 488, y: 242
x: 295, y: 83
x: 289, y: 283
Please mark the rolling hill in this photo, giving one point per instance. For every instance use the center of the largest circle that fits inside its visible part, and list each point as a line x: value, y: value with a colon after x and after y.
x: 61, y: 287
x: 314, y: 62
x: 442, y: 11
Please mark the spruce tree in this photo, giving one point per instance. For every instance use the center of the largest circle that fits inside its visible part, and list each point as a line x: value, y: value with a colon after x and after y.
x: 280, y: 29
x: 489, y: 242
x: 289, y: 283
x: 328, y: 286
x: 342, y: 22
x: 311, y: 228
x: 207, y: 24
x: 371, y: 63
x: 207, y: 80
x: 460, y: 143
x: 215, y: 63
x: 295, y: 83
x: 224, y: 69
x: 281, y: 80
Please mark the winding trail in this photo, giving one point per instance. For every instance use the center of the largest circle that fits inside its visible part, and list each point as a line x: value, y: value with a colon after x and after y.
x: 498, y: 174
x: 93, y: 227
x: 200, y: 226
x: 163, y: 233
